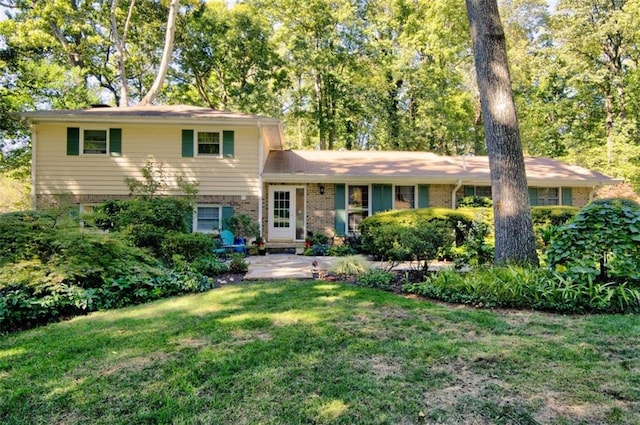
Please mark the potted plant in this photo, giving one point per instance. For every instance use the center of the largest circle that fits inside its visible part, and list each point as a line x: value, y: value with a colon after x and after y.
x: 243, y: 227
x: 260, y: 245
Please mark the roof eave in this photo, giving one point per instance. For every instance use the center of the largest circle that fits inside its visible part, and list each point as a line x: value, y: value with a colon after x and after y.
x: 39, y: 117
x: 449, y: 179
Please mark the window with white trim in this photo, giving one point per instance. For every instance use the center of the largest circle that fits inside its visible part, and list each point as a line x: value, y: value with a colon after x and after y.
x: 95, y: 142
x: 357, y: 206
x: 209, y: 143
x: 207, y: 218
x: 405, y: 197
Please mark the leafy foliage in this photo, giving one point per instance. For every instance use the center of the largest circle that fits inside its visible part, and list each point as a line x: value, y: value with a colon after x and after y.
x: 517, y: 286
x: 475, y: 202
x: 376, y: 278
x: 397, y: 243
x: 602, y: 242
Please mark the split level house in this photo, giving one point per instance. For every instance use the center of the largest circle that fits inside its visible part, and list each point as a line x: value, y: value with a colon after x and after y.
x: 242, y: 167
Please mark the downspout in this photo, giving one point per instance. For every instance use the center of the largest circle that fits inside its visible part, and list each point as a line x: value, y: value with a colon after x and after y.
x: 591, y: 193
x: 33, y: 166
x: 260, y: 182
x: 453, y: 194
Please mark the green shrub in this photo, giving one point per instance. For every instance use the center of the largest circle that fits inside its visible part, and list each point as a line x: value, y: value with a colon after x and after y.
x: 350, y: 265
x: 475, y: 202
x: 243, y: 226
x: 191, y: 246
x: 602, y: 242
x: 376, y: 278
x: 167, y: 213
x: 395, y: 243
x: 210, y: 266
x: 515, y: 286
x: 554, y: 215
x: 476, y: 249
x: 341, y: 250
x: 238, y: 264
x: 413, y: 217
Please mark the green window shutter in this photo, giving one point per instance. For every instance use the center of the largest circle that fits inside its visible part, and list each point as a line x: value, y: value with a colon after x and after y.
x: 381, y: 197
x: 227, y: 212
x: 423, y: 196
x: 567, y: 196
x: 228, y: 141
x: 469, y: 191
x: 188, y: 219
x: 73, y: 141
x: 341, y: 211
x: 115, y: 141
x: 533, y: 196
x: 187, y: 143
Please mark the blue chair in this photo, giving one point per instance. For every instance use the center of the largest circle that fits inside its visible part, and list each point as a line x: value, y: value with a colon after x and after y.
x: 231, y: 244
x: 219, y: 250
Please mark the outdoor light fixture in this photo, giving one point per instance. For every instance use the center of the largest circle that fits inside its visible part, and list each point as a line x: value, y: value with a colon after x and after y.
x: 321, y: 188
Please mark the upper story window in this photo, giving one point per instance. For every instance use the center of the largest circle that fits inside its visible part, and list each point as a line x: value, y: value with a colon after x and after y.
x: 95, y: 142
x: 209, y: 143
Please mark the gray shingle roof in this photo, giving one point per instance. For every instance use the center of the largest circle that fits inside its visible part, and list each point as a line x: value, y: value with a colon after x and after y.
x: 397, y: 166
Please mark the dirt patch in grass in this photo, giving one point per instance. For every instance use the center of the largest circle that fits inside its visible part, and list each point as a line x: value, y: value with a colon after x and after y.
x: 242, y: 337
x: 134, y: 364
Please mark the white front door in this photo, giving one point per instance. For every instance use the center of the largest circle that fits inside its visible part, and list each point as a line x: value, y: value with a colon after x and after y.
x: 286, y: 213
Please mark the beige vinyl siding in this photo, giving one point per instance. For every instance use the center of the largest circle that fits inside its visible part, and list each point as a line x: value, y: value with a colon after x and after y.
x: 56, y: 172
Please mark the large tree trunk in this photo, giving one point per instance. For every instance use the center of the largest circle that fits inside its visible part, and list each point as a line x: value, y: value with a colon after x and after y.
x: 512, y: 213
x: 120, y: 43
x: 166, y: 55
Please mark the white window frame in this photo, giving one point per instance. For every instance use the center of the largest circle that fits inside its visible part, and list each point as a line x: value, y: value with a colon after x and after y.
x: 195, y: 218
x: 349, y: 210
x: 82, y: 141
x: 415, y: 196
x: 197, y: 144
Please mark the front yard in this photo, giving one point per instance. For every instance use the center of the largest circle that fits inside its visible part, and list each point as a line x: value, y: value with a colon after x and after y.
x: 321, y: 353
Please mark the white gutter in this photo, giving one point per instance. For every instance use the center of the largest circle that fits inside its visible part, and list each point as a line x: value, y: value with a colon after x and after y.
x: 261, y: 161
x: 33, y: 166
x: 453, y: 194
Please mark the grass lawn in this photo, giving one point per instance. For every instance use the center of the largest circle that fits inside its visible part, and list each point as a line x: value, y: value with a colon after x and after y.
x: 321, y: 353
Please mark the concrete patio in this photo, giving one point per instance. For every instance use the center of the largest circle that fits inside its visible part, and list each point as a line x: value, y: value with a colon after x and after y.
x: 291, y: 266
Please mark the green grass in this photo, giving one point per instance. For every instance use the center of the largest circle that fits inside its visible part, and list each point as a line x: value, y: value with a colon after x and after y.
x: 321, y: 353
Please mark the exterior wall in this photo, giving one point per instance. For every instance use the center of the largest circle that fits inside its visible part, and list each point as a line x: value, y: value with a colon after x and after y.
x: 580, y: 196
x: 440, y: 195
x: 321, y: 209
x: 56, y: 172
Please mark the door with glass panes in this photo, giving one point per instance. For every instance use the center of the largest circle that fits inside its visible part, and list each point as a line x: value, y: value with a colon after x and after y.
x: 286, y: 213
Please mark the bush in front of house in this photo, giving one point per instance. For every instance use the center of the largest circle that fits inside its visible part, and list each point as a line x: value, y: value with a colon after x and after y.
x: 419, y: 243
x: 475, y: 202
x: 376, y: 278
x: 144, y: 221
x: 602, y: 243
x: 51, y: 269
x: 526, y: 287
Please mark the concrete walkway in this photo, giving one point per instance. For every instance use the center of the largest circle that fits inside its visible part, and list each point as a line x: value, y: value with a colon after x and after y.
x: 284, y: 266
x: 291, y: 266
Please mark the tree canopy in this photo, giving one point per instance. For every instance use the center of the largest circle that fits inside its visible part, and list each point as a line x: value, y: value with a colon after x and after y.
x: 354, y: 74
